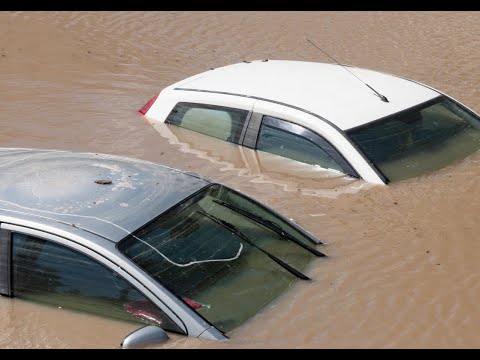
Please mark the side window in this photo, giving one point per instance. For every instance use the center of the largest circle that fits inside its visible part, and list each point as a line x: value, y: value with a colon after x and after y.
x: 297, y: 143
x: 217, y: 121
x: 52, y: 274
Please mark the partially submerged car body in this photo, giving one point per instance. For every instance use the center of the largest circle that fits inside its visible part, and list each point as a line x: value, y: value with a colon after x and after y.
x: 83, y: 231
x: 317, y: 113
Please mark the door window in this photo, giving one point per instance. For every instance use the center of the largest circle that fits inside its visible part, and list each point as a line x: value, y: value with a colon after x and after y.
x: 217, y: 121
x: 297, y: 143
x: 53, y: 274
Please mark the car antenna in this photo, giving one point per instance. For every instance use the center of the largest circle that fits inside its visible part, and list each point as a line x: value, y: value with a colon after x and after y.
x: 382, y: 97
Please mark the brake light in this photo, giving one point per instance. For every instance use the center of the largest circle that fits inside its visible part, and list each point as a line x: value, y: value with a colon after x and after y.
x: 147, y: 106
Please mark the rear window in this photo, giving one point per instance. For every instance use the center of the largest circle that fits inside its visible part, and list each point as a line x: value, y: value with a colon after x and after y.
x: 418, y: 140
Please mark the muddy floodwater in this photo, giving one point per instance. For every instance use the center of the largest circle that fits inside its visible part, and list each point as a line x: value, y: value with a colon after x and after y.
x: 404, y: 260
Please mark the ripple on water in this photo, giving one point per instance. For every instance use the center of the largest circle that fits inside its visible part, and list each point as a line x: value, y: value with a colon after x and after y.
x: 403, y: 262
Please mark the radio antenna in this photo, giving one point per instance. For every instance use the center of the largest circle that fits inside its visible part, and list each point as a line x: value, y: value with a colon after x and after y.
x: 382, y: 97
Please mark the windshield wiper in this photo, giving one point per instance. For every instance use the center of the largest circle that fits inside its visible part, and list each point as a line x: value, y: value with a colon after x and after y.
x: 270, y: 225
x: 237, y: 232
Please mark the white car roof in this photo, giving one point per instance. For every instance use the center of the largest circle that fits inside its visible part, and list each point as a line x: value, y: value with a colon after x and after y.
x: 327, y: 90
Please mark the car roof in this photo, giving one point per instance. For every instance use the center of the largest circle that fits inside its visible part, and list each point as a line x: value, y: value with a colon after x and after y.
x: 55, y: 187
x: 327, y: 90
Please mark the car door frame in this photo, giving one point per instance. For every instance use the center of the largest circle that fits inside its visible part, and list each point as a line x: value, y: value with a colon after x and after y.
x: 306, y: 134
x: 168, y: 99
x: 179, y: 312
x: 336, y: 137
x: 260, y: 107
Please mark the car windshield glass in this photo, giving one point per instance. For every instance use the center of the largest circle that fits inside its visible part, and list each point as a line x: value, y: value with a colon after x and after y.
x: 192, y: 251
x: 419, y: 140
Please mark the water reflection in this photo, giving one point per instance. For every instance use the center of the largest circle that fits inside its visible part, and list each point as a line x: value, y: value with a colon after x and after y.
x: 261, y: 167
x: 403, y: 267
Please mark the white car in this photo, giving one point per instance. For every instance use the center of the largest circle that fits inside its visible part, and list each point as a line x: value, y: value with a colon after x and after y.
x: 364, y: 123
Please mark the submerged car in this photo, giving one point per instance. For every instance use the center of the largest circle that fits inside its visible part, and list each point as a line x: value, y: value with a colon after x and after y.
x: 366, y: 124
x: 137, y: 241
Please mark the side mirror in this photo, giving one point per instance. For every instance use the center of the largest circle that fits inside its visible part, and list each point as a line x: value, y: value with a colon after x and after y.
x: 143, y: 337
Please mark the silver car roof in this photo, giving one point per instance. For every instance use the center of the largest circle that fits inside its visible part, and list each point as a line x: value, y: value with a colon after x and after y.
x: 55, y: 187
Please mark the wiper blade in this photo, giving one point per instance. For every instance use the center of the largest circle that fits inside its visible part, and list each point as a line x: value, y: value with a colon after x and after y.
x: 271, y: 226
x: 242, y: 236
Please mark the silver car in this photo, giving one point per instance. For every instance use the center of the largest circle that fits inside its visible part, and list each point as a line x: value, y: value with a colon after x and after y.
x: 137, y: 241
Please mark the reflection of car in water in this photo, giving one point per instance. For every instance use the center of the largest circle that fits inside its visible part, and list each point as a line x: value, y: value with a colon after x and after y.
x: 322, y: 115
x: 261, y: 167
x: 136, y: 241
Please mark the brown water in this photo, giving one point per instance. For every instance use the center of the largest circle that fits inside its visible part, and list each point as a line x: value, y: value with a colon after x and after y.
x: 403, y: 267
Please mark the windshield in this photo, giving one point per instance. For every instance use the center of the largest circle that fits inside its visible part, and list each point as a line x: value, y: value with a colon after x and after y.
x: 216, y: 259
x: 421, y: 139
